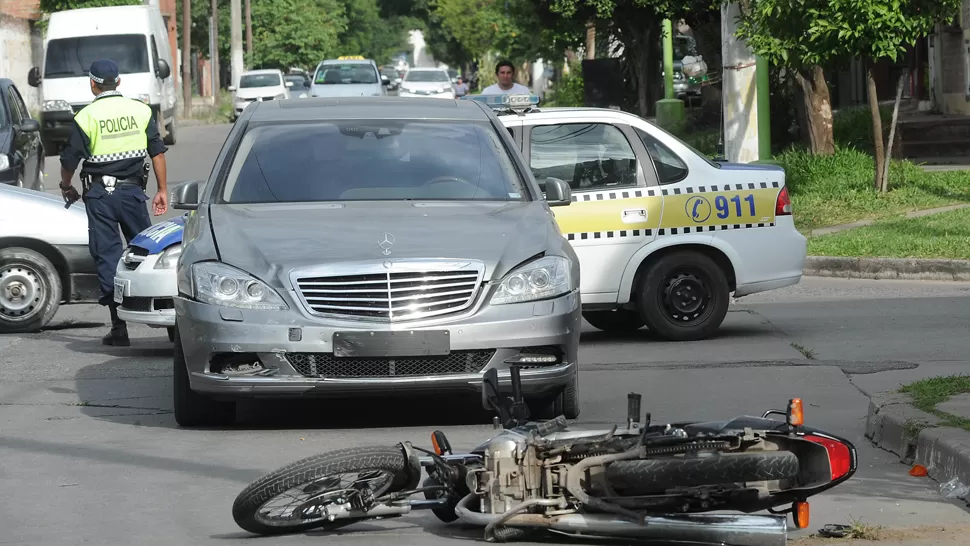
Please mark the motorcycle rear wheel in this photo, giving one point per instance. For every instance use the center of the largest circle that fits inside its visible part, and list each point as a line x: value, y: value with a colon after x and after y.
x: 649, y: 476
x: 385, y: 469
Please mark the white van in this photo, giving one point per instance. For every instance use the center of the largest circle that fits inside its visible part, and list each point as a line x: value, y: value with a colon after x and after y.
x: 135, y: 37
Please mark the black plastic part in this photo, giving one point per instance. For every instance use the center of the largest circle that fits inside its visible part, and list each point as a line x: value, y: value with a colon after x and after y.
x: 442, y: 441
x: 516, y: 384
x: 633, y: 407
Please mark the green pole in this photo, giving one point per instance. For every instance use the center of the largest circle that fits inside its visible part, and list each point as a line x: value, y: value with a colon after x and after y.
x: 668, y: 45
x: 764, y: 109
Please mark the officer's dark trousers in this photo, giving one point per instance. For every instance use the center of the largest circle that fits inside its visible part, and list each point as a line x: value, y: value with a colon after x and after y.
x: 124, y: 208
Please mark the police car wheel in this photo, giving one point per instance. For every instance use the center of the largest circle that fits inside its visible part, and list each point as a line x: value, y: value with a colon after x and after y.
x: 684, y: 296
x: 30, y: 290
x: 617, y: 320
x: 191, y: 408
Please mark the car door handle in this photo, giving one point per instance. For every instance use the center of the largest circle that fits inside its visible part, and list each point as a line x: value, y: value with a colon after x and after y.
x: 631, y: 216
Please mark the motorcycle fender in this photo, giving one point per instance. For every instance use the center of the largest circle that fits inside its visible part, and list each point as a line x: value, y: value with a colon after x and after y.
x: 413, y: 465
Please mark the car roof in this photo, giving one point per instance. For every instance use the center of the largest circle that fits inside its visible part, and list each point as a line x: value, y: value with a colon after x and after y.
x: 348, y: 61
x: 426, y: 69
x: 325, y: 108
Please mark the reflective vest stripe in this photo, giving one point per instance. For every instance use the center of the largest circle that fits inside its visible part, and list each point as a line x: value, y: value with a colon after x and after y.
x: 104, y: 158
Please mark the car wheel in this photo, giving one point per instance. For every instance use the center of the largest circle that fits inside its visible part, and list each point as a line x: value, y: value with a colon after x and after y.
x: 170, y: 132
x: 30, y: 290
x: 191, y: 408
x: 684, y: 296
x: 566, y: 403
x: 171, y: 333
x: 617, y: 320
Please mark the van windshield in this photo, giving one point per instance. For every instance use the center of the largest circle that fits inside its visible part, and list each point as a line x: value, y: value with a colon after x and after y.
x: 72, y: 57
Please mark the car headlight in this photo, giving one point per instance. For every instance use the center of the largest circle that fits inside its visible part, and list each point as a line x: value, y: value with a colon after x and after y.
x: 219, y: 284
x: 169, y: 258
x: 4, y: 162
x: 56, y: 106
x: 544, y: 278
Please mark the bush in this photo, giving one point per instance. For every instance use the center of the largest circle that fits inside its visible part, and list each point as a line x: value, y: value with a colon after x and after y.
x: 568, y: 89
x: 852, y: 127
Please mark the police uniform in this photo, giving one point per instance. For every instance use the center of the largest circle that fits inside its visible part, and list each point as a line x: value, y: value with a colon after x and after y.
x: 114, y: 136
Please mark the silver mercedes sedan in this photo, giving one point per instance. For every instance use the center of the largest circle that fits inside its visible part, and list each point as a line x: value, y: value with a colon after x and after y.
x: 368, y: 246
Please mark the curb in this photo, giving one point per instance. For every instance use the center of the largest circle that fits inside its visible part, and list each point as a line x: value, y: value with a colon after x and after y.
x: 916, y: 269
x: 915, y: 437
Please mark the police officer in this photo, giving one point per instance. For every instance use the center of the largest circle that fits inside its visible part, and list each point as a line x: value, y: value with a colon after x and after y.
x: 113, y: 135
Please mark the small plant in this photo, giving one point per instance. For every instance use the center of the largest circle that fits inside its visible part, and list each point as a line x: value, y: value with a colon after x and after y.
x: 806, y: 352
x: 863, y: 531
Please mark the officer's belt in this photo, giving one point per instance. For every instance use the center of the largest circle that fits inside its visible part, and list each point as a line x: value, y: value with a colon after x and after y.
x: 132, y: 181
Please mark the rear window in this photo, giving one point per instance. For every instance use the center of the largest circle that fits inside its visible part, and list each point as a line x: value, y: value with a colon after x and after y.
x: 72, y: 57
x: 427, y: 76
x: 384, y: 160
x: 259, y: 80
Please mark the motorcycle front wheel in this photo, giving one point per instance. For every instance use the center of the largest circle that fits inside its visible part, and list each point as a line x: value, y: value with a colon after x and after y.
x: 290, y: 499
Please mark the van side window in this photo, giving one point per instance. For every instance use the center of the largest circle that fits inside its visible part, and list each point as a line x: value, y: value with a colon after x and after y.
x: 154, y: 53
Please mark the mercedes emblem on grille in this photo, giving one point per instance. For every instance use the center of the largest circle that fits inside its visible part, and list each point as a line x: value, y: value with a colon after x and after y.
x: 385, y: 243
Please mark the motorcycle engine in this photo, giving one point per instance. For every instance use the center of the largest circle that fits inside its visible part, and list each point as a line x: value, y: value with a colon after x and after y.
x: 511, y: 475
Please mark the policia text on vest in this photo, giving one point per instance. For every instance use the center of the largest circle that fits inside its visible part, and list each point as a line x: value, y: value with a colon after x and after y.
x: 114, y: 136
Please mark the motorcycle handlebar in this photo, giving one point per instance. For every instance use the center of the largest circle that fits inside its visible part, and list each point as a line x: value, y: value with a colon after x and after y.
x: 548, y: 427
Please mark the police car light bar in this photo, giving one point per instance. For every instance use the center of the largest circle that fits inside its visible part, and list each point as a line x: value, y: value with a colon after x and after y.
x: 506, y: 102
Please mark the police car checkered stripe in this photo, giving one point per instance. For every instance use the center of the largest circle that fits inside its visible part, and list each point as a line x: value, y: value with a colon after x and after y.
x: 104, y: 158
x: 661, y: 232
x: 610, y: 195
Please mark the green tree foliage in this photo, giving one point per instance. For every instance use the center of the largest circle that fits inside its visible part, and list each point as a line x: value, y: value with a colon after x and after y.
x: 50, y: 6
x: 369, y: 34
x: 296, y: 32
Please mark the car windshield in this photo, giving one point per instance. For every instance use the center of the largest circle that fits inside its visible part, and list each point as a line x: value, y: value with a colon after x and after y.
x: 259, y: 80
x: 72, y: 57
x: 346, y: 74
x: 427, y: 76
x: 372, y: 160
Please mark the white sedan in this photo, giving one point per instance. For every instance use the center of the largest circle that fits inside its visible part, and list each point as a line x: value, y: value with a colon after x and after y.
x: 145, y: 284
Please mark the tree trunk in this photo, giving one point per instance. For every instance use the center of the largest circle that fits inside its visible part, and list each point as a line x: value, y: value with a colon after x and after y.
x: 892, y: 134
x: 876, y: 126
x: 818, y: 110
x: 591, y: 40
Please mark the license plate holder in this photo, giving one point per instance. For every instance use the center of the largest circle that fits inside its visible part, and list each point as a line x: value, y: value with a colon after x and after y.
x: 120, y: 287
x: 382, y: 344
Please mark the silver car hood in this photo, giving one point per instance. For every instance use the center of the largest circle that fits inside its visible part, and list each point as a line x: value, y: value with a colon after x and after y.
x: 270, y: 240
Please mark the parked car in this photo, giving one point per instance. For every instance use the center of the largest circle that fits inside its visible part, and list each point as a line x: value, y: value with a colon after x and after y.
x: 312, y: 272
x: 21, y: 148
x: 44, y: 258
x: 258, y: 86
x: 427, y: 82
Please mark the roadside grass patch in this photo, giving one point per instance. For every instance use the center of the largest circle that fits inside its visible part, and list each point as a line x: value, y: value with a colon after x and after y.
x: 927, y: 393
x: 945, y: 235
x: 837, y: 189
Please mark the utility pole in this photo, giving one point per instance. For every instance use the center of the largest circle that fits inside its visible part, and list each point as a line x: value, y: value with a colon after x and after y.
x: 236, y: 46
x: 764, y: 110
x: 739, y: 91
x: 249, y: 30
x: 214, y: 54
x: 186, y: 58
x: 670, y: 110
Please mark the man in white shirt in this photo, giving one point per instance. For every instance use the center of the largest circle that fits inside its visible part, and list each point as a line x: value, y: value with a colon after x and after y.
x: 505, y: 71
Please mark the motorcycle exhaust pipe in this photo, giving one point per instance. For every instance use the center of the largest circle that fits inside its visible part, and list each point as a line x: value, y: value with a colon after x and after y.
x: 739, y: 530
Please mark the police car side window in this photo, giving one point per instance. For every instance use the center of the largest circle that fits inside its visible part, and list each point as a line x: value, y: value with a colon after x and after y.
x: 15, y: 114
x: 589, y: 156
x: 670, y: 168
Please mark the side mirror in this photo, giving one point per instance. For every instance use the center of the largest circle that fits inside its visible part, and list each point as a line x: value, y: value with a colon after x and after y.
x: 163, y: 70
x: 385, y: 80
x: 232, y: 88
x: 289, y: 84
x: 185, y: 196
x: 30, y: 126
x: 33, y: 77
x: 558, y: 192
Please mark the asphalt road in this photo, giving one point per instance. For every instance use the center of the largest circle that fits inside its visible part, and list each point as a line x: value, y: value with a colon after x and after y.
x: 91, y: 453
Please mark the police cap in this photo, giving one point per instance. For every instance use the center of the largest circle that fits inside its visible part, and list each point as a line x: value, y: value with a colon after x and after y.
x: 104, y: 70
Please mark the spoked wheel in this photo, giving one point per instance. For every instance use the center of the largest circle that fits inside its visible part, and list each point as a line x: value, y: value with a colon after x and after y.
x: 684, y: 296
x: 297, y: 497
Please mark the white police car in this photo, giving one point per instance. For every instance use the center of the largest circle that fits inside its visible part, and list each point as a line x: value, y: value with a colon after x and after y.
x: 145, y: 284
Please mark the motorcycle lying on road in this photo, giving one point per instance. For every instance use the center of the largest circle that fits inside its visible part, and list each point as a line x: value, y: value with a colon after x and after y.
x: 637, y: 480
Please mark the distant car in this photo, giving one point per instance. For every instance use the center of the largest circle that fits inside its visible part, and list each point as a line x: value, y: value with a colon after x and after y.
x: 145, y: 284
x: 301, y: 85
x: 44, y: 258
x: 21, y: 148
x: 427, y: 82
x: 394, y: 80
x: 348, y: 77
x: 258, y: 86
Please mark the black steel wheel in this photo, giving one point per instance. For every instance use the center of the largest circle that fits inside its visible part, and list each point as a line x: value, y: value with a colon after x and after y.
x: 30, y: 290
x: 684, y: 296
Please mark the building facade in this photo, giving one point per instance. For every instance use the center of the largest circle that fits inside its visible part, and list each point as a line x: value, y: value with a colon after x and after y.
x: 21, y: 45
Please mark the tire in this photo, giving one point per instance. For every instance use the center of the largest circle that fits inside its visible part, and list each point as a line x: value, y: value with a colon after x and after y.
x: 618, y: 320
x: 390, y: 460
x: 171, y: 333
x: 25, y: 275
x: 648, y: 476
x: 566, y: 403
x: 170, y: 130
x: 664, y: 291
x: 191, y: 408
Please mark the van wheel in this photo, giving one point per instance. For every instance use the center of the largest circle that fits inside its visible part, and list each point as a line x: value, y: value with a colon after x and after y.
x: 684, y: 296
x: 170, y: 132
x: 617, y: 320
x: 30, y: 290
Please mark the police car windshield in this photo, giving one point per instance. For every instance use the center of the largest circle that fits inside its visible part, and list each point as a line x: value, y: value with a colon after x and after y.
x: 423, y: 76
x: 346, y: 74
x: 259, y: 80
x: 72, y: 57
x: 346, y: 161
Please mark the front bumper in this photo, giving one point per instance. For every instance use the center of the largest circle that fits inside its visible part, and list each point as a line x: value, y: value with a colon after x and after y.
x: 148, y: 292
x: 212, y: 336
